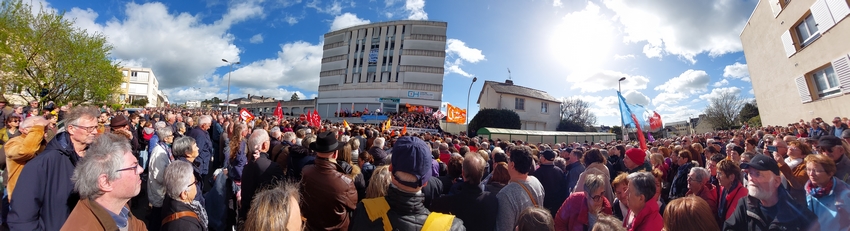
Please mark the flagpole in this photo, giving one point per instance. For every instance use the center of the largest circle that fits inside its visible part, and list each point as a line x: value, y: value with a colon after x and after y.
x: 622, y: 123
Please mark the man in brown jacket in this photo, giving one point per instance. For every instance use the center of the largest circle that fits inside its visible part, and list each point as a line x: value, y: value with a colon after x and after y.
x: 22, y: 149
x: 329, y: 195
x: 106, y: 188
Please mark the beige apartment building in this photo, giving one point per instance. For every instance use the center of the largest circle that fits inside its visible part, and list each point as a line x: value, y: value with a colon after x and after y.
x: 797, y: 54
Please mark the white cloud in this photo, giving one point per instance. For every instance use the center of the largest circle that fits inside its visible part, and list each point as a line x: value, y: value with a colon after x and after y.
x: 586, y: 52
x: 176, y: 62
x: 297, y: 65
x: 347, y: 20
x: 292, y: 20
x: 595, y: 81
x: 683, y: 28
x: 723, y: 82
x: 628, y: 56
x: 717, y: 91
x: 38, y: 5
x: 557, y: 3
x: 334, y: 8
x: 752, y: 92
x: 457, y: 53
x: 636, y: 97
x: 256, y: 39
x: 669, y: 98
x: 389, y: 3
x: 415, y: 9
x: 689, y: 82
x: 676, y: 113
x: 737, y: 71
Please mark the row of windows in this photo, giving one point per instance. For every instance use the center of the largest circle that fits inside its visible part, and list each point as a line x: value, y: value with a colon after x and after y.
x: 441, y: 38
x: 423, y: 87
x: 332, y: 73
x: 334, y: 58
x: 519, y: 104
x: 333, y: 45
x: 424, y: 53
x: 825, y: 81
x: 433, y: 70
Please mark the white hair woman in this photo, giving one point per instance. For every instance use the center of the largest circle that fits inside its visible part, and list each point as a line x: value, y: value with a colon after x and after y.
x: 185, y: 149
x: 161, y: 157
x: 180, y: 209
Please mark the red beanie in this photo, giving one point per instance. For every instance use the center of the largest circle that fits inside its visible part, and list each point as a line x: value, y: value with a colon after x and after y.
x: 636, y: 155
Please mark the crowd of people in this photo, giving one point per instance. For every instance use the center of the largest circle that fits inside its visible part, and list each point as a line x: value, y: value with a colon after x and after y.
x: 173, y: 169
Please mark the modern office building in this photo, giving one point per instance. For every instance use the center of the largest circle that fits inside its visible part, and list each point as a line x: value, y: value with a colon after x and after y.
x: 140, y: 83
x: 537, y: 109
x: 797, y: 54
x: 385, y: 65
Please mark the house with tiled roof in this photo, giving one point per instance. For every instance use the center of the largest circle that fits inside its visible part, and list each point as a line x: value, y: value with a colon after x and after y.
x: 537, y: 109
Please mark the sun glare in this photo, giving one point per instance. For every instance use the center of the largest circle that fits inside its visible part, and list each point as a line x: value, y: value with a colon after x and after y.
x: 582, y: 40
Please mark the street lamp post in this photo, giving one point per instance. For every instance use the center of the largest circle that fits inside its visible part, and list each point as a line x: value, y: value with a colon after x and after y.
x: 622, y: 123
x: 467, y: 100
x: 229, y: 74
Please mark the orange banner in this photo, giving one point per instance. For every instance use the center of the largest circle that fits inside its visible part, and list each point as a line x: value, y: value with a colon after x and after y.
x: 456, y: 115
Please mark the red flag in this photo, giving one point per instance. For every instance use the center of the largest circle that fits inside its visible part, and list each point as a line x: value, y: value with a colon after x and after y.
x: 316, y: 119
x: 639, y: 133
x: 246, y: 115
x: 655, y: 122
x: 278, y: 112
x: 404, y: 130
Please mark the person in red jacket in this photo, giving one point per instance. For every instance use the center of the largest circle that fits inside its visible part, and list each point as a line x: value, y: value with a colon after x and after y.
x: 731, y: 189
x: 698, y: 186
x: 581, y: 210
x: 643, y: 212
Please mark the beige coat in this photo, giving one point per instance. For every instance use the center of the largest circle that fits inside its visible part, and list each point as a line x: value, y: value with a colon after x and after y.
x: 600, y: 169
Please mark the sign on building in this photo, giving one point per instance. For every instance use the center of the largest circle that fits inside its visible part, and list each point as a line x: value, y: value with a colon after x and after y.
x: 420, y: 95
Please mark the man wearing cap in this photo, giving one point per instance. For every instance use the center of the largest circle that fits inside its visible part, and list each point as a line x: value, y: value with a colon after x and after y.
x: 5, y: 110
x: 553, y: 181
x: 635, y: 160
x: 524, y: 191
x: 832, y: 147
x: 768, y: 206
x: 329, y: 195
x: 402, y: 208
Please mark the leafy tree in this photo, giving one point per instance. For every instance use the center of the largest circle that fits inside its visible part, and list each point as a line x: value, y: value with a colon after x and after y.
x: 294, y: 97
x: 569, y: 126
x: 755, y: 121
x: 722, y: 111
x: 749, y: 111
x: 140, y: 102
x: 577, y: 111
x: 493, y: 118
x: 47, y: 58
x: 617, y: 130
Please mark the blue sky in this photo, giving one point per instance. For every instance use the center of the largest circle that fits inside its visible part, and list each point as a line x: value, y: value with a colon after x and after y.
x: 676, y: 54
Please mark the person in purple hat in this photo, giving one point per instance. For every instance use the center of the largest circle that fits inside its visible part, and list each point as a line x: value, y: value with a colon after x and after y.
x: 403, y: 207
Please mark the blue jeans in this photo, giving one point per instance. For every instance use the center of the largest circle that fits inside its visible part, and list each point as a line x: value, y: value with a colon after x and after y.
x: 143, y: 158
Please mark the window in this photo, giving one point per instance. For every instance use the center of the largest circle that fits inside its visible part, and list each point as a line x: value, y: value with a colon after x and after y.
x: 519, y: 104
x: 544, y: 107
x: 807, y: 31
x: 826, y: 82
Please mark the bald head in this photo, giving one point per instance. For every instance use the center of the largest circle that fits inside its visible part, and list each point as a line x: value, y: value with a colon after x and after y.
x: 473, y: 168
x: 259, y: 140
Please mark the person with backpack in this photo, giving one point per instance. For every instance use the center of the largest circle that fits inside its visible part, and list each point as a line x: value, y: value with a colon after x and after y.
x: 522, y: 192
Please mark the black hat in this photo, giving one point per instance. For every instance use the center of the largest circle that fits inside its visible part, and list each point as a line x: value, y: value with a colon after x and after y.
x: 762, y: 163
x: 827, y: 142
x: 325, y: 142
x: 549, y: 154
x: 118, y: 121
x: 411, y: 155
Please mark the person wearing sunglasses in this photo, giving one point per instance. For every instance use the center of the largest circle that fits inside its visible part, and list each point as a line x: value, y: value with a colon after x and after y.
x: 581, y: 209
x: 106, y: 179
x: 45, y: 201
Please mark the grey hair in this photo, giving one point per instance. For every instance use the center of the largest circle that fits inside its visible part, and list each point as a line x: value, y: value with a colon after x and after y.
x: 160, y: 124
x: 309, y: 138
x: 205, y: 119
x: 73, y: 117
x: 700, y: 174
x: 288, y: 136
x: 104, y: 157
x: 594, y: 182
x: 258, y: 137
x: 730, y: 146
x: 344, y: 139
x: 29, y: 122
x: 164, y: 132
x: 379, y: 142
x: 182, y: 146
x: 178, y: 176
x: 644, y: 182
x: 180, y: 125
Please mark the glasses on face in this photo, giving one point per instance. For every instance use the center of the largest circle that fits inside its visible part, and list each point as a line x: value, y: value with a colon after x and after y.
x: 752, y: 173
x: 597, y: 198
x: 88, y: 129
x: 190, y: 185
x: 136, y: 168
x: 815, y: 171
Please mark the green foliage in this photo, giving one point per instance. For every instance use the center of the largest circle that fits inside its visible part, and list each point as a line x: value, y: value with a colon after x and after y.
x: 617, y: 130
x: 210, y: 102
x: 569, y: 126
x: 755, y: 121
x: 294, y: 97
x: 494, y: 118
x: 749, y: 111
x: 48, y: 58
x: 140, y: 102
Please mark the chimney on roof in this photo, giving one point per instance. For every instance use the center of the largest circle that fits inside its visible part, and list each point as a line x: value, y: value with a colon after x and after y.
x: 509, y: 82
x: 249, y: 96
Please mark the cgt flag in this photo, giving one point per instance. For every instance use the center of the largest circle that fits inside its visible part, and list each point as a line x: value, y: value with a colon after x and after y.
x: 246, y: 115
x: 278, y: 112
x: 655, y: 122
x: 456, y: 115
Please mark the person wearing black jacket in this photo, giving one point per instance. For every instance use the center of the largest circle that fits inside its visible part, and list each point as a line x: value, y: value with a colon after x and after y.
x: 615, y: 161
x: 180, y: 199
x: 477, y: 208
x: 554, y: 182
x: 205, y: 146
x: 259, y: 173
x: 679, y: 185
x: 47, y: 197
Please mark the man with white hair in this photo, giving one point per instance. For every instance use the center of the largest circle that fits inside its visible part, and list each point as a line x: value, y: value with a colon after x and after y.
x: 768, y: 206
x: 259, y: 173
x: 106, y: 179
x: 698, y: 186
x: 205, y: 146
x: 275, y: 136
x: 23, y: 148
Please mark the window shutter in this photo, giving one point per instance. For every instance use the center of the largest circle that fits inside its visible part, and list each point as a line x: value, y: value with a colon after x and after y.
x: 838, y: 8
x: 842, y: 73
x: 803, y: 89
x: 790, y: 49
x: 822, y: 16
x: 774, y: 5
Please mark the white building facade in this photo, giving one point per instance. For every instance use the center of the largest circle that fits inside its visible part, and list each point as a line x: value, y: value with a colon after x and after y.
x: 386, y: 65
x: 140, y: 83
x: 537, y: 109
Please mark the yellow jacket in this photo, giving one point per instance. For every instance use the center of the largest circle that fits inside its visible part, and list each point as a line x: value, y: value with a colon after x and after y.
x: 20, y: 150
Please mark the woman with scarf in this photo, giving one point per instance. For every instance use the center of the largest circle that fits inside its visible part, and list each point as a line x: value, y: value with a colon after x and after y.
x: 731, y: 189
x: 182, y: 212
x: 827, y: 197
x: 679, y: 186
